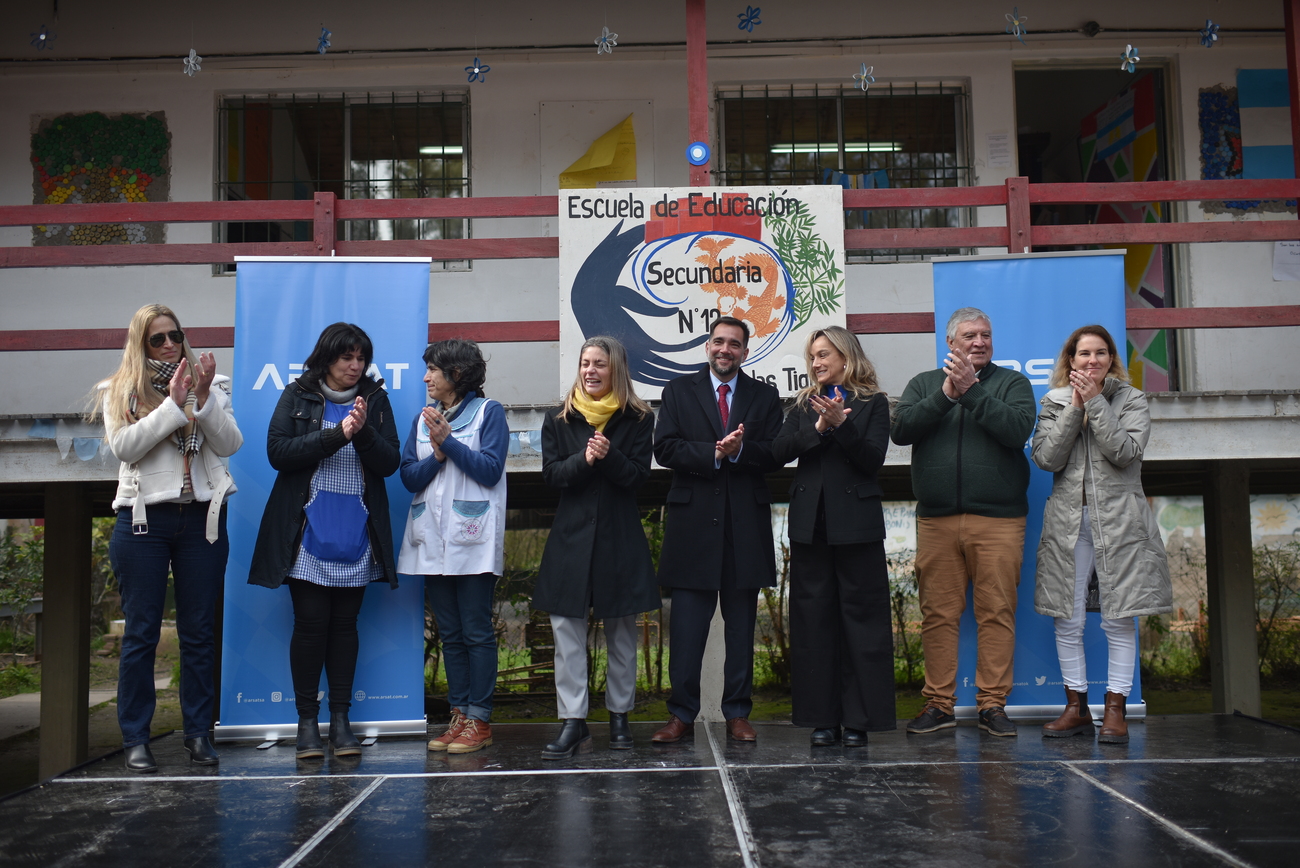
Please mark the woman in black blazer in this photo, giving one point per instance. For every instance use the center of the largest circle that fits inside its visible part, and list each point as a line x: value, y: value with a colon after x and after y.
x: 596, y: 450
x: 841, y: 643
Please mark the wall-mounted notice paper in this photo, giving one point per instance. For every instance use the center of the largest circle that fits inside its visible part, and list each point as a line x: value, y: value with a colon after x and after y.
x: 999, y: 143
x: 1286, y: 260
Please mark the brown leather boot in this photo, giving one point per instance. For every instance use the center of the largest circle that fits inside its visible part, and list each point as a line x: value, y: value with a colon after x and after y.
x: 1075, y: 720
x: 1114, y: 728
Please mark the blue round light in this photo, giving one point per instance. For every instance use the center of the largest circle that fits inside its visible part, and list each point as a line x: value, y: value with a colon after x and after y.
x: 698, y: 153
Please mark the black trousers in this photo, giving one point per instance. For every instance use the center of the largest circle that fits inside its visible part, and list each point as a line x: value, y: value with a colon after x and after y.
x: 688, y: 632
x: 324, y: 635
x: 841, y: 641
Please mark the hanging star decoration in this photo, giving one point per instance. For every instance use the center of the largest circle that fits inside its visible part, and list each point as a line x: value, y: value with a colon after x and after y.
x: 191, y: 63
x: 606, y: 41
x: 749, y: 18
x: 864, y: 77
x: 1016, y: 24
x: 323, y: 44
x: 1210, y: 34
x: 1130, y: 59
x: 43, y: 38
x: 478, y: 71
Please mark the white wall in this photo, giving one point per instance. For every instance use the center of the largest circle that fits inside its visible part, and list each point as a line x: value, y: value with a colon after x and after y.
x: 508, y: 159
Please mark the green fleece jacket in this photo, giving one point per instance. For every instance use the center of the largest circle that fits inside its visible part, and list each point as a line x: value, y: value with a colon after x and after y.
x: 968, y: 457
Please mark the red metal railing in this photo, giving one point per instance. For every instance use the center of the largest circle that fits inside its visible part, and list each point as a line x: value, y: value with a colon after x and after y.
x: 325, y: 211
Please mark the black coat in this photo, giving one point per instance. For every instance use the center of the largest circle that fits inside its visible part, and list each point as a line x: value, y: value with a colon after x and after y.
x: 689, y: 427
x: 596, y: 556
x: 841, y: 467
x: 295, y: 445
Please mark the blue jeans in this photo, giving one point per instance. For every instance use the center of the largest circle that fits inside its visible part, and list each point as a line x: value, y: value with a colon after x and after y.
x: 175, y: 542
x: 462, y: 606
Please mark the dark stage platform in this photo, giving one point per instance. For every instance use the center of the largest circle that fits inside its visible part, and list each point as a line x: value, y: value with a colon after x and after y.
x: 1187, y: 791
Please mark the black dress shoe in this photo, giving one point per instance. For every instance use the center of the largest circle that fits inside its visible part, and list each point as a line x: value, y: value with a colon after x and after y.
x: 201, y: 751
x: 854, y: 738
x: 825, y: 737
x: 620, y: 734
x: 140, y: 759
x: 342, y: 741
x: 574, y: 736
x: 309, y: 744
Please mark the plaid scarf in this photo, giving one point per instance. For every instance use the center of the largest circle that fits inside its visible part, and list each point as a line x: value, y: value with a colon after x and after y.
x: 187, y: 438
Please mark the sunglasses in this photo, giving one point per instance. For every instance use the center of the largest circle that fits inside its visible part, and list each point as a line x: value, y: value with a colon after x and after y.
x: 177, y: 337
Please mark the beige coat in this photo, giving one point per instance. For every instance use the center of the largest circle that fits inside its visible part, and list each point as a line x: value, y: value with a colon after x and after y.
x: 1099, y: 447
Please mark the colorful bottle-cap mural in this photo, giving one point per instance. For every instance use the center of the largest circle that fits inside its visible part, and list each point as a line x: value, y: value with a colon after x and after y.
x: 101, y: 158
x: 1119, y: 142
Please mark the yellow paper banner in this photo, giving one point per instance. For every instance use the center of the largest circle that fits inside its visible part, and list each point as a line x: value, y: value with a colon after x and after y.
x: 612, y: 157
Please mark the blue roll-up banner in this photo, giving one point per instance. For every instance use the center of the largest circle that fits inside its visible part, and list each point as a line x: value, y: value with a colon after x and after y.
x: 1034, y: 301
x: 281, y: 307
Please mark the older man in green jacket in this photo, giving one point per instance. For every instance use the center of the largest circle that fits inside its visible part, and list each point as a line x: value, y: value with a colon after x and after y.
x: 967, y: 424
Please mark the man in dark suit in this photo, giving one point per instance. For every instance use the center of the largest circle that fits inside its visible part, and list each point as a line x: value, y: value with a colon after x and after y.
x: 715, y: 431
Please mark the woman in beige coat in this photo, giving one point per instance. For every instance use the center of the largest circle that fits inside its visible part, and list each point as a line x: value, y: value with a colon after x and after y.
x: 1100, y: 546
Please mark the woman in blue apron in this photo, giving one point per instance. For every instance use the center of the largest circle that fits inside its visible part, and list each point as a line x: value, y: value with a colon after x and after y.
x: 454, y: 462
x: 325, y: 528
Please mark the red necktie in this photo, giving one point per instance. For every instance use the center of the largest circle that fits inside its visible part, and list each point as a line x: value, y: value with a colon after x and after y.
x: 722, y: 404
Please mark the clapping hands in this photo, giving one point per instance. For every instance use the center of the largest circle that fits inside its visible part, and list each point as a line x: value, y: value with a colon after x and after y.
x: 355, y: 419
x: 597, y: 448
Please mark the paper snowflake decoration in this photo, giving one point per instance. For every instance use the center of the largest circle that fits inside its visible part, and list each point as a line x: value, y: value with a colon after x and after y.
x: 43, y: 38
x: 749, y: 18
x: 1129, y: 59
x: 478, y: 71
x: 1016, y: 24
x: 1210, y: 34
x: 606, y: 41
x: 864, y: 77
x: 191, y: 64
x: 323, y: 44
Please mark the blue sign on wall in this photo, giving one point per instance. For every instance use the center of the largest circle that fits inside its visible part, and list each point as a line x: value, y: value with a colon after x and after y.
x: 281, y: 307
x: 1034, y: 301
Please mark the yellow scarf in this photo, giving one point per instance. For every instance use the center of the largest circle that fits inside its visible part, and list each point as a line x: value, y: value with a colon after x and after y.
x: 597, y: 411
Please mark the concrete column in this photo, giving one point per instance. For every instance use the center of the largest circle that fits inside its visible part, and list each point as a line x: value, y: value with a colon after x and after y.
x: 711, y: 671
x: 1234, y: 648
x: 65, y: 664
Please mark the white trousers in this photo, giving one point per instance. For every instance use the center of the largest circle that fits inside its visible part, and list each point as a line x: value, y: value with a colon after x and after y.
x: 1121, y: 634
x: 571, y: 665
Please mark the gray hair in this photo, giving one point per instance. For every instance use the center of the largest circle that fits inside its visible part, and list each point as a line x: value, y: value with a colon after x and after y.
x: 966, y: 314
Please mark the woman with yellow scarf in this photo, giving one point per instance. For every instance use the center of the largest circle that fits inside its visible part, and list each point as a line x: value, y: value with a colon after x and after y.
x: 596, y: 450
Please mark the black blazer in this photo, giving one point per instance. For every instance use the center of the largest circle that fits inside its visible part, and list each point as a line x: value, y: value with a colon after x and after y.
x: 295, y: 445
x: 596, y: 555
x: 840, y: 467
x: 688, y: 428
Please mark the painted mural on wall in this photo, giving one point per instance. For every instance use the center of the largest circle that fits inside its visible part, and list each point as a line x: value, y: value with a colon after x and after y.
x: 654, y: 267
x: 1120, y: 142
x: 86, y: 158
x: 1223, y: 154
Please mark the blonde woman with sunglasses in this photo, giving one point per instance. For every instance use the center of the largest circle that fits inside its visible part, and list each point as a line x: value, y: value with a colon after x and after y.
x: 167, y: 418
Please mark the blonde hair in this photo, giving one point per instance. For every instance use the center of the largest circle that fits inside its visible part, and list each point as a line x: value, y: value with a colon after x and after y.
x: 620, y: 379
x: 859, y: 373
x: 1061, y: 373
x: 112, y: 397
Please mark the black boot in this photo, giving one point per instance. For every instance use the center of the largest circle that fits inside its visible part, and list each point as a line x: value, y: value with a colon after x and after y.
x: 620, y: 734
x: 140, y: 759
x: 574, y: 736
x: 342, y: 741
x: 309, y: 743
x: 825, y: 737
x: 855, y: 737
x: 201, y: 751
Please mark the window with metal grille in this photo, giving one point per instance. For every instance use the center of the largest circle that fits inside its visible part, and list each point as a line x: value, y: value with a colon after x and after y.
x: 892, y: 135
x: 356, y: 146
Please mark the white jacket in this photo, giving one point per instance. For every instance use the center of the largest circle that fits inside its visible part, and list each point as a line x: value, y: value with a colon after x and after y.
x: 153, y: 469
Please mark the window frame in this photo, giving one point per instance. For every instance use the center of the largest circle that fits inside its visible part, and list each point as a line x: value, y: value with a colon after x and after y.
x: 347, y: 99
x: 964, y: 170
